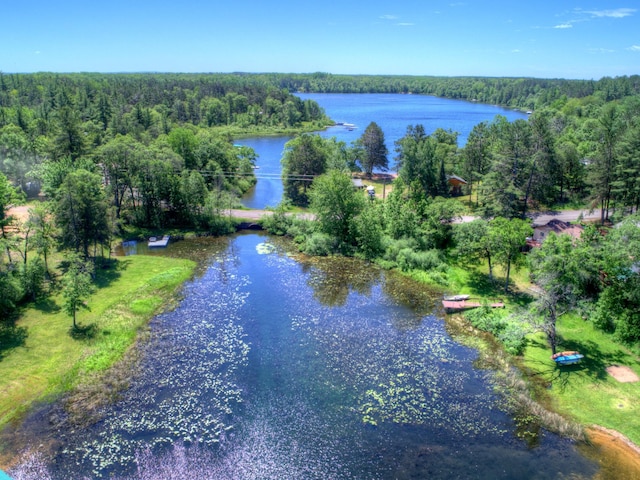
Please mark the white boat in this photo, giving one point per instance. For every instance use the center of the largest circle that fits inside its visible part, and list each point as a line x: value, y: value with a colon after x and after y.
x: 155, y: 242
x: 457, y: 298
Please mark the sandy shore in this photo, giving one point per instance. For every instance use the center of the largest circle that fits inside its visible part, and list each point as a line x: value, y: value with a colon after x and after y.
x: 621, y: 454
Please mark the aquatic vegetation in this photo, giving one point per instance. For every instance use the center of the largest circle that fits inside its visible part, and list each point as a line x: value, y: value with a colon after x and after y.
x: 32, y: 466
x: 281, y: 367
x: 402, y: 377
x: 265, y: 248
x: 186, y: 390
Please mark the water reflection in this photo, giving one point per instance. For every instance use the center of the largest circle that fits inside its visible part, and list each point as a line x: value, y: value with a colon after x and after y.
x: 333, y: 278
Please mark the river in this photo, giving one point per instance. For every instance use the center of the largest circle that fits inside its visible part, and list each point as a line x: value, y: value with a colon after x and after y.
x: 280, y: 366
x: 392, y: 112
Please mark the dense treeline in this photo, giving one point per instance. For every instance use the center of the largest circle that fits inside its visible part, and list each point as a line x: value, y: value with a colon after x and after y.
x: 525, y: 93
x: 181, y: 93
x: 110, y: 99
x: 114, y: 152
x: 144, y: 134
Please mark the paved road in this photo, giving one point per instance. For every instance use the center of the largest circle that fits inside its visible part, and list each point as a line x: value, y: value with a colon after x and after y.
x: 565, y: 215
x: 542, y: 218
x: 538, y: 218
x: 258, y: 214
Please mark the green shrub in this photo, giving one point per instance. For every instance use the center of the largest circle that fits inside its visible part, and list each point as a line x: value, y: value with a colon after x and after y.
x: 10, y: 293
x: 32, y: 279
x: 320, y: 244
x: 394, y: 247
x: 513, y: 337
x: 409, y: 259
x: 508, y: 329
x: 279, y: 222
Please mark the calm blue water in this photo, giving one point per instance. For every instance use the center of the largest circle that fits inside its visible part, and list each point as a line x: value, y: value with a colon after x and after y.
x: 392, y: 112
x: 294, y: 368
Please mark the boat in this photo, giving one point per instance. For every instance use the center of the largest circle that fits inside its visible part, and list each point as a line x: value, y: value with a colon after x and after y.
x: 567, y: 358
x: 155, y: 242
x: 457, y: 298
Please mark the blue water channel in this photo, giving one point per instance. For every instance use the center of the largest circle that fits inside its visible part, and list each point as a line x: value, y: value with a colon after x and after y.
x: 278, y: 366
x: 392, y: 112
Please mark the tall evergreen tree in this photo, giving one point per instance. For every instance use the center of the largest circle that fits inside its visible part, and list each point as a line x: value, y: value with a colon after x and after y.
x: 374, y: 149
x: 604, y: 166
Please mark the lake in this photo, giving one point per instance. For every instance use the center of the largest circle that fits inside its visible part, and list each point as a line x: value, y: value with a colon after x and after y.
x: 280, y: 366
x: 392, y: 112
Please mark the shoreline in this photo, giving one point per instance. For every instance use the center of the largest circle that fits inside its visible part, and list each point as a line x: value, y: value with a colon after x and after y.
x: 620, y: 452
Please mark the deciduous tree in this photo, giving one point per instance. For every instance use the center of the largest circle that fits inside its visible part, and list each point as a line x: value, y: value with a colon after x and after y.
x: 77, y: 286
x: 81, y: 211
x: 336, y: 204
x: 510, y: 237
x: 304, y: 158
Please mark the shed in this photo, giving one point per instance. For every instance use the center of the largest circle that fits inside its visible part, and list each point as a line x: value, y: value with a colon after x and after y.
x: 455, y: 184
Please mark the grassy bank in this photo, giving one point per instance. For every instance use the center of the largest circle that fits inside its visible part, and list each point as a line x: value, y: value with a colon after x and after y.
x: 50, y: 361
x: 586, y: 392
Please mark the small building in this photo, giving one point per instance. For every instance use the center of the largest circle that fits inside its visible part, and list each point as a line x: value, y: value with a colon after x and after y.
x: 455, y: 185
x: 357, y: 183
x: 540, y: 232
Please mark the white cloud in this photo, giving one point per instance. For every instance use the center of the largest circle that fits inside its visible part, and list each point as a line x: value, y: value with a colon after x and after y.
x: 634, y: 48
x: 405, y: 24
x: 389, y: 17
x: 564, y: 25
x: 601, y: 50
x: 617, y: 13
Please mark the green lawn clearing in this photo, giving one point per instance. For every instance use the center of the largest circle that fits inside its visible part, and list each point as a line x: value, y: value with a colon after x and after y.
x: 586, y: 391
x: 50, y: 361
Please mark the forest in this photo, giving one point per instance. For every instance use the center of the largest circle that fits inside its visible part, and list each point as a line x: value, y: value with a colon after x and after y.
x: 120, y: 153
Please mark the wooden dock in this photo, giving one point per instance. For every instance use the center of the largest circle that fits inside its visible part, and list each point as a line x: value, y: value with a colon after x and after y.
x: 158, y: 242
x: 459, y: 305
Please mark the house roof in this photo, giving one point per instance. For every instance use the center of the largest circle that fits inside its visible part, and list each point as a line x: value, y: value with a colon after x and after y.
x: 456, y: 179
x: 560, y: 226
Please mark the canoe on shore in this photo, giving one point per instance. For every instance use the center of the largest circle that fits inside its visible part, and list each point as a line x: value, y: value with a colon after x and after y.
x: 567, y: 358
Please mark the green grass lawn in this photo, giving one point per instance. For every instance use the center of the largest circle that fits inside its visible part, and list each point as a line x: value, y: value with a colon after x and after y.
x: 50, y: 361
x: 586, y: 392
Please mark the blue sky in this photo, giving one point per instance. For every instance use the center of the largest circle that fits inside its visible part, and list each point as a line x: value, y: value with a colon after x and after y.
x: 543, y: 38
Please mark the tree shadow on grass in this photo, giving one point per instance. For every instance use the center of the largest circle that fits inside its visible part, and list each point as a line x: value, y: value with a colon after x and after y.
x: 481, y: 285
x: 108, y: 271
x: 11, y: 336
x: 46, y: 305
x: 593, y: 367
x: 83, y: 332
